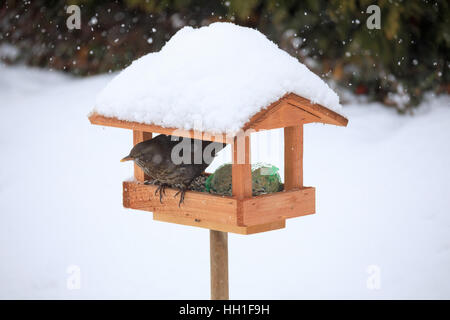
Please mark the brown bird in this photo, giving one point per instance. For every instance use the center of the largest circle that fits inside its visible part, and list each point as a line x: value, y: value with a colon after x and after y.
x: 173, y: 161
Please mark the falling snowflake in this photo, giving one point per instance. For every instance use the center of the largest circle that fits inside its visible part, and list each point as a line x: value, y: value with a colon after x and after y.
x: 93, y: 21
x: 296, y: 42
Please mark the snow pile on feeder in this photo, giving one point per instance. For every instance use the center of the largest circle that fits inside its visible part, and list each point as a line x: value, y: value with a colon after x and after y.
x: 213, y: 78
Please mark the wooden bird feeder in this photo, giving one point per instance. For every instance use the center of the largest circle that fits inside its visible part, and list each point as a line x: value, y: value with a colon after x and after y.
x: 241, y: 213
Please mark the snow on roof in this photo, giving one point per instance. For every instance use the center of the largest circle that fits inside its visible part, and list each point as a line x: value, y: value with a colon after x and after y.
x: 215, y: 77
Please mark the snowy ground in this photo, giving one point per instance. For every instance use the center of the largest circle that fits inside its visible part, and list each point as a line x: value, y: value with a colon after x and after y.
x: 382, y: 201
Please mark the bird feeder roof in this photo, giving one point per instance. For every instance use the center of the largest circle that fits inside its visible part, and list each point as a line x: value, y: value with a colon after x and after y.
x: 218, y: 79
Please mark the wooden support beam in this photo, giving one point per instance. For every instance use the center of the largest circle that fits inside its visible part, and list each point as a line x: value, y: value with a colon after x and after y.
x: 219, y: 264
x: 139, y: 136
x: 241, y: 167
x: 326, y: 115
x: 280, y: 205
x: 217, y: 212
x: 114, y: 122
x: 197, y: 205
x: 188, y: 221
x: 293, y: 157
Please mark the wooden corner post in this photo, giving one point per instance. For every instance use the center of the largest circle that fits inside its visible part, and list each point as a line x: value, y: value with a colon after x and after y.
x: 293, y: 157
x: 241, y: 167
x: 139, y: 136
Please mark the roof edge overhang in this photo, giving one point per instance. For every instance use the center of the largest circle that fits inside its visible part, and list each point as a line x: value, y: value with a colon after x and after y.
x: 288, y: 111
x: 98, y: 119
x: 292, y: 110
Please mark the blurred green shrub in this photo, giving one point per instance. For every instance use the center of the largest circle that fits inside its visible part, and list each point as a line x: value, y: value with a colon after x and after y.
x: 408, y: 56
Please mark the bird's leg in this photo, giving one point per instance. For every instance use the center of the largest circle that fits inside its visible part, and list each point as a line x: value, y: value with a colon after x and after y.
x: 162, y: 191
x: 161, y: 188
x: 157, y: 189
x: 182, y: 192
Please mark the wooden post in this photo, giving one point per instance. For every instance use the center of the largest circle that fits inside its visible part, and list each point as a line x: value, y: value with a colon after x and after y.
x: 219, y: 264
x: 241, y: 168
x: 139, y: 136
x: 293, y: 157
x: 241, y: 188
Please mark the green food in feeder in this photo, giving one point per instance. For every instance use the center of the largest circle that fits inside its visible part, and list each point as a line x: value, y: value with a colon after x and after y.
x: 265, y: 179
x: 220, y: 181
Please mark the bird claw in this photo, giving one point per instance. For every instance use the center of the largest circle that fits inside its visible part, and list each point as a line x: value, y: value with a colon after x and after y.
x: 182, y: 192
x: 162, y: 191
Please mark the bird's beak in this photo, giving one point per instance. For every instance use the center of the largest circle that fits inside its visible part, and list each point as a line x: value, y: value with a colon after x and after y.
x: 127, y: 158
